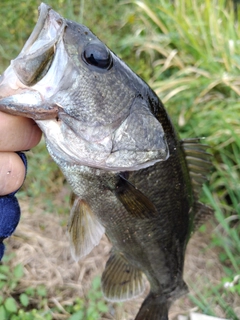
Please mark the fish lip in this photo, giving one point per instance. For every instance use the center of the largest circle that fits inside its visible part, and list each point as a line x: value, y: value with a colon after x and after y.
x: 43, y: 10
x: 41, y: 44
x: 43, y: 111
x: 9, y: 93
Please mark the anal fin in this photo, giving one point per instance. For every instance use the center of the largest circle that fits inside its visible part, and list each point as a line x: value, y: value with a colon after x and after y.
x: 85, y: 231
x: 120, y: 280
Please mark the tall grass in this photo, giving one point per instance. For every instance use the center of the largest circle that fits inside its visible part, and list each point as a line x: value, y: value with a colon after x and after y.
x: 195, y: 55
x: 194, y: 51
x: 189, y: 53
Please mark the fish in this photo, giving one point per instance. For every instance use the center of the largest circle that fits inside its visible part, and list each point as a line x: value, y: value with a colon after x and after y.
x: 132, y: 177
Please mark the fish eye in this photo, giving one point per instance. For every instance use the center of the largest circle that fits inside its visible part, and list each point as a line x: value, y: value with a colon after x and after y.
x: 96, y: 54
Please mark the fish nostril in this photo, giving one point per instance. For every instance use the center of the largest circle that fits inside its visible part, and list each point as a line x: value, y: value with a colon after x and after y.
x: 58, y: 119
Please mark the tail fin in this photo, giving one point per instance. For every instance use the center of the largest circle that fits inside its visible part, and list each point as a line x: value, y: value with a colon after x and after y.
x: 153, y: 309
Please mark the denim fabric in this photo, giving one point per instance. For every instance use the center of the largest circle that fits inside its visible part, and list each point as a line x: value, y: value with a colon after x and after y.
x: 9, y: 212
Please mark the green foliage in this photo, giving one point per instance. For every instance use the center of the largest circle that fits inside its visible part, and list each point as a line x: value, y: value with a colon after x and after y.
x: 195, y: 52
x: 105, y: 18
x: 189, y: 52
x: 34, y: 302
x: 93, y: 307
x: 14, y: 305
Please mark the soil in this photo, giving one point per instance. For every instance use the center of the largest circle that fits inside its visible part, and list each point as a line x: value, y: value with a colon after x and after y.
x: 40, y: 243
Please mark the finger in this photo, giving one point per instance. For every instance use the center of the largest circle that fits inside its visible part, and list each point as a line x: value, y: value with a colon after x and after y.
x: 12, y: 172
x: 18, y: 133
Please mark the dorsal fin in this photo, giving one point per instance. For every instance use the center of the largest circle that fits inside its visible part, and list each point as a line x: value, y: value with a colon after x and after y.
x: 203, y: 212
x: 120, y: 280
x: 199, y: 165
x: 85, y: 231
x: 198, y: 161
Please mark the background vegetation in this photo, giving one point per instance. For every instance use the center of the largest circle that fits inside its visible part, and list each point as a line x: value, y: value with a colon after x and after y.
x: 189, y: 53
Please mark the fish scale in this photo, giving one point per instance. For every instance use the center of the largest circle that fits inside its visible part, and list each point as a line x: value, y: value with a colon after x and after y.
x: 132, y: 177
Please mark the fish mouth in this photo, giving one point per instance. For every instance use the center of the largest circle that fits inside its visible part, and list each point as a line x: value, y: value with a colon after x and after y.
x: 19, y: 89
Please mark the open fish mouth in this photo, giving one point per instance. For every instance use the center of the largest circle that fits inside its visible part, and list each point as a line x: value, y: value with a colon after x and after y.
x: 21, y: 90
x: 88, y: 104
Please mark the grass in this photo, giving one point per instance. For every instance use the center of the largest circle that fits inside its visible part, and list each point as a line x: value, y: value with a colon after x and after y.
x: 33, y: 302
x: 194, y: 49
x: 189, y: 53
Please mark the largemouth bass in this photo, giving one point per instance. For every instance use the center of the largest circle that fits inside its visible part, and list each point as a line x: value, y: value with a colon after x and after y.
x: 132, y: 177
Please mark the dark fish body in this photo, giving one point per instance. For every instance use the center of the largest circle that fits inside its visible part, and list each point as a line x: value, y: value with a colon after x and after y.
x: 151, y: 237
x: 131, y: 176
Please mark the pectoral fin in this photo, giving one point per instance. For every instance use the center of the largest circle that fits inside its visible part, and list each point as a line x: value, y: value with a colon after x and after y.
x: 85, y: 231
x: 120, y: 280
x: 135, y: 202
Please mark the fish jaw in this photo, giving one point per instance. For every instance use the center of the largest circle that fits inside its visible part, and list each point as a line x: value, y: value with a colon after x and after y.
x: 18, y: 94
x: 90, y: 116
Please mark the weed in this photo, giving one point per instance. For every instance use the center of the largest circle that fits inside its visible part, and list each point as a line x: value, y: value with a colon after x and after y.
x: 95, y: 304
x: 194, y: 49
x: 189, y: 52
x: 34, y: 302
x: 14, y: 305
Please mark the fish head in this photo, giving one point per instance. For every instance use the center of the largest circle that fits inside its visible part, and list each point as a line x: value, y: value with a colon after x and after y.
x: 91, y: 107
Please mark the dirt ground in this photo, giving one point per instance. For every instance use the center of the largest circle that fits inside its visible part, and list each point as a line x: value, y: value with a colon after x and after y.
x: 41, y: 245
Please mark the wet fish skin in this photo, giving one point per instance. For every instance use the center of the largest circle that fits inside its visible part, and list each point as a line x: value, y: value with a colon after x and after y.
x: 115, y: 143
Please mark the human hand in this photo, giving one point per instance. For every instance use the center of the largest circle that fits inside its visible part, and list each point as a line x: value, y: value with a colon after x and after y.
x: 16, y: 134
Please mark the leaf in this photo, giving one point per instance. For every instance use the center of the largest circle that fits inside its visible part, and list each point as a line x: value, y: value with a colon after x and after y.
x: 24, y: 299
x: 4, y: 269
x: 12, y: 284
x: 96, y: 283
x: 92, y: 313
x: 10, y: 305
x: 2, y: 313
x: 30, y: 291
x: 41, y: 291
x: 2, y: 284
x: 3, y: 276
x: 77, y: 316
x: 18, y: 271
x: 102, y: 307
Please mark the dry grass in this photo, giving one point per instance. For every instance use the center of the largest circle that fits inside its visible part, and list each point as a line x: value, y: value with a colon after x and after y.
x: 41, y: 245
